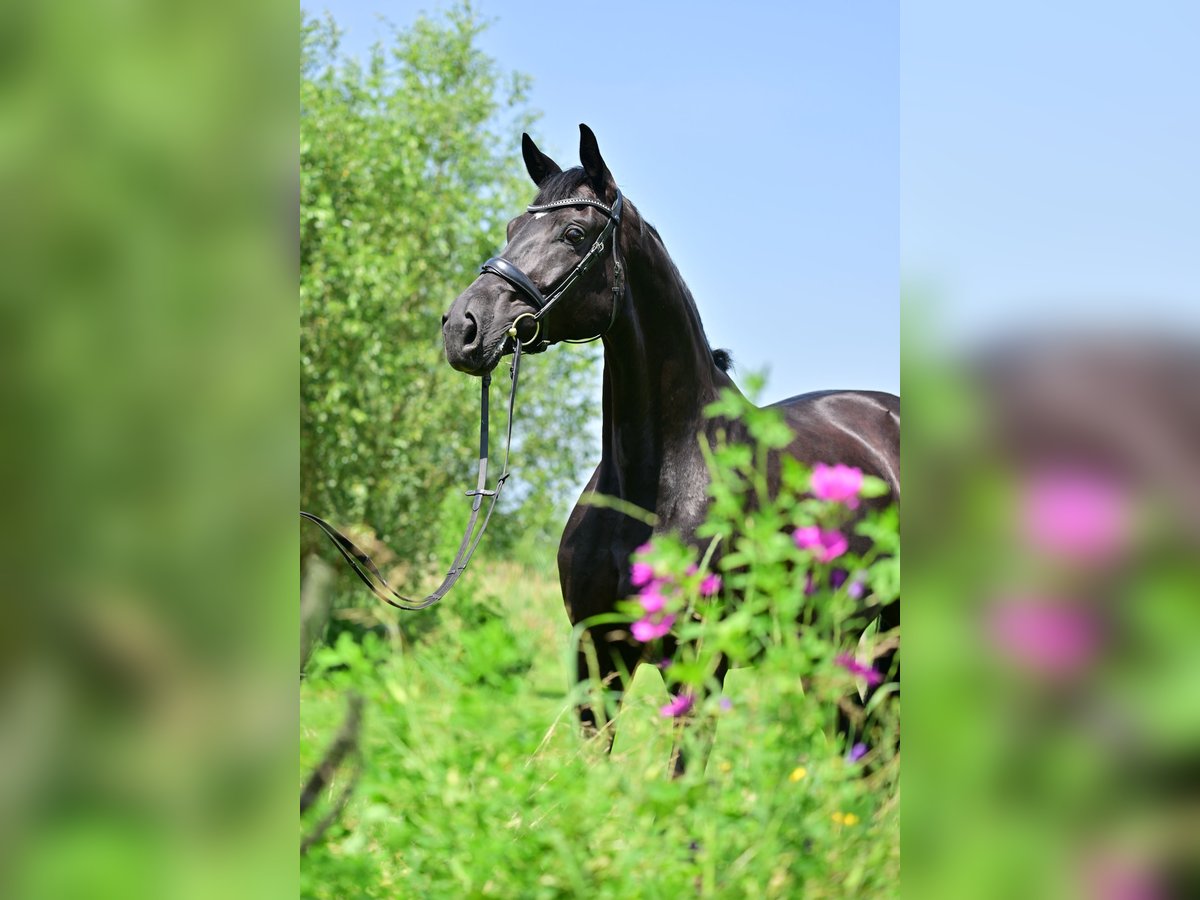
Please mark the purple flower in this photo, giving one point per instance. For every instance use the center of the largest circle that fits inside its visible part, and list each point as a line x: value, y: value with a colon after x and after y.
x: 855, y: 586
x: 857, y: 752
x: 648, y: 628
x: 726, y: 704
x: 837, y: 484
x: 854, y: 667
x: 679, y: 705
x: 825, y: 545
x: 710, y: 585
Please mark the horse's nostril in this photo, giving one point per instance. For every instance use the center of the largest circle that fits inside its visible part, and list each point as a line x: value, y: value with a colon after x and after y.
x: 470, y: 330
x: 445, y: 319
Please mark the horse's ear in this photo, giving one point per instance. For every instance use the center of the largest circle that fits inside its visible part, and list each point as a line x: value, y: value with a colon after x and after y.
x: 593, y: 164
x: 537, y: 164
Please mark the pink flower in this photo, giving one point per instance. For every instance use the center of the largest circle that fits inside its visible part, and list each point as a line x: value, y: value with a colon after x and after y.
x: 825, y: 545
x: 679, y: 705
x: 641, y: 573
x: 648, y: 628
x: 710, y: 585
x: 854, y: 667
x: 837, y: 484
x: 651, y: 598
x: 1047, y: 637
x: 1075, y: 514
x: 1114, y: 873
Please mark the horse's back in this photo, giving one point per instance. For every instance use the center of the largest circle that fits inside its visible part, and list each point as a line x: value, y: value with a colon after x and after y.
x: 857, y: 428
x: 877, y: 400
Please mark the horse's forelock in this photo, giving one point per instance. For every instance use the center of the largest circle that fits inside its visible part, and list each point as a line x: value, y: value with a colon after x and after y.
x: 561, y: 186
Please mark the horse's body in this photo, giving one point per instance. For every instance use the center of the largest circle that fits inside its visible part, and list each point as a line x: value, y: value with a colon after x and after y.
x: 659, y: 374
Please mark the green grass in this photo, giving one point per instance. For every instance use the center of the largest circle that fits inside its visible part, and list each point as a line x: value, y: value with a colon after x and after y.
x: 476, y: 784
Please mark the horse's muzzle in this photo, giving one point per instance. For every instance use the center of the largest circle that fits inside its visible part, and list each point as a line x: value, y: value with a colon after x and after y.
x: 467, y: 336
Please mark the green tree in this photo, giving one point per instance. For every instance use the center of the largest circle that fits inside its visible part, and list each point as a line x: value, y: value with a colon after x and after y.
x: 409, y: 173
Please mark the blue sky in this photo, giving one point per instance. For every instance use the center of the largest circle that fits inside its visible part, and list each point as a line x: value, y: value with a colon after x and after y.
x: 1050, y: 165
x: 761, y: 140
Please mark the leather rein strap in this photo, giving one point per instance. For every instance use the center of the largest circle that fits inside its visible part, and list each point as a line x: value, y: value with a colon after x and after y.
x: 362, y: 565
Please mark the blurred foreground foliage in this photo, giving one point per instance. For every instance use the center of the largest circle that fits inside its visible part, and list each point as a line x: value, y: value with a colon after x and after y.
x: 149, y: 463
x: 1052, y: 535
x: 409, y: 173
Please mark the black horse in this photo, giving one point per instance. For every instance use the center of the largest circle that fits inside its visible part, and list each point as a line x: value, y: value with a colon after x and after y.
x: 584, y: 244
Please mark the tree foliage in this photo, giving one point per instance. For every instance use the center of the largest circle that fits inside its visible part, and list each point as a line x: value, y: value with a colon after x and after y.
x: 409, y: 173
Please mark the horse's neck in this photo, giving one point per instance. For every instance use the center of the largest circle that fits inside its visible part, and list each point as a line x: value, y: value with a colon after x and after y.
x: 659, y: 375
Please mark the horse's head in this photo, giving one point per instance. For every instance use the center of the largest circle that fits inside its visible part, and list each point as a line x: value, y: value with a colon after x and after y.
x: 559, y: 277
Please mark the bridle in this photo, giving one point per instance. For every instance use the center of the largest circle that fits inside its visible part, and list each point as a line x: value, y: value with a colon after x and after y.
x: 543, y: 303
x: 359, y: 561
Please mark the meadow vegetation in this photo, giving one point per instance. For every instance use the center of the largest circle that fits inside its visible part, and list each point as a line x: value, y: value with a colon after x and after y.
x: 476, y: 783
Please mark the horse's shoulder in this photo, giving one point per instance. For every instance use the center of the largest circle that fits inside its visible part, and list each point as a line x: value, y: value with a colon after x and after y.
x: 595, y: 526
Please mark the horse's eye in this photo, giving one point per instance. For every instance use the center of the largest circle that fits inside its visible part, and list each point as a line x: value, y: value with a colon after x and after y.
x: 574, y: 234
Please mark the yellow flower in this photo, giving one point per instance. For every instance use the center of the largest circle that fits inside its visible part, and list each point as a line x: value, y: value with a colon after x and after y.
x: 725, y: 766
x: 850, y: 819
x: 798, y: 773
x: 838, y: 817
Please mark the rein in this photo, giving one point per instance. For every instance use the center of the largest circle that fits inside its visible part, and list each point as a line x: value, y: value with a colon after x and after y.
x: 366, y: 570
x: 359, y: 561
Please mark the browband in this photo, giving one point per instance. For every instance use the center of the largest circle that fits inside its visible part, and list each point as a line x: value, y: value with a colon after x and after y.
x: 613, y: 212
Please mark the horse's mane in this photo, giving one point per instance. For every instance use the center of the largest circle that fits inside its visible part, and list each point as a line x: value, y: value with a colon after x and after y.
x: 565, y: 184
